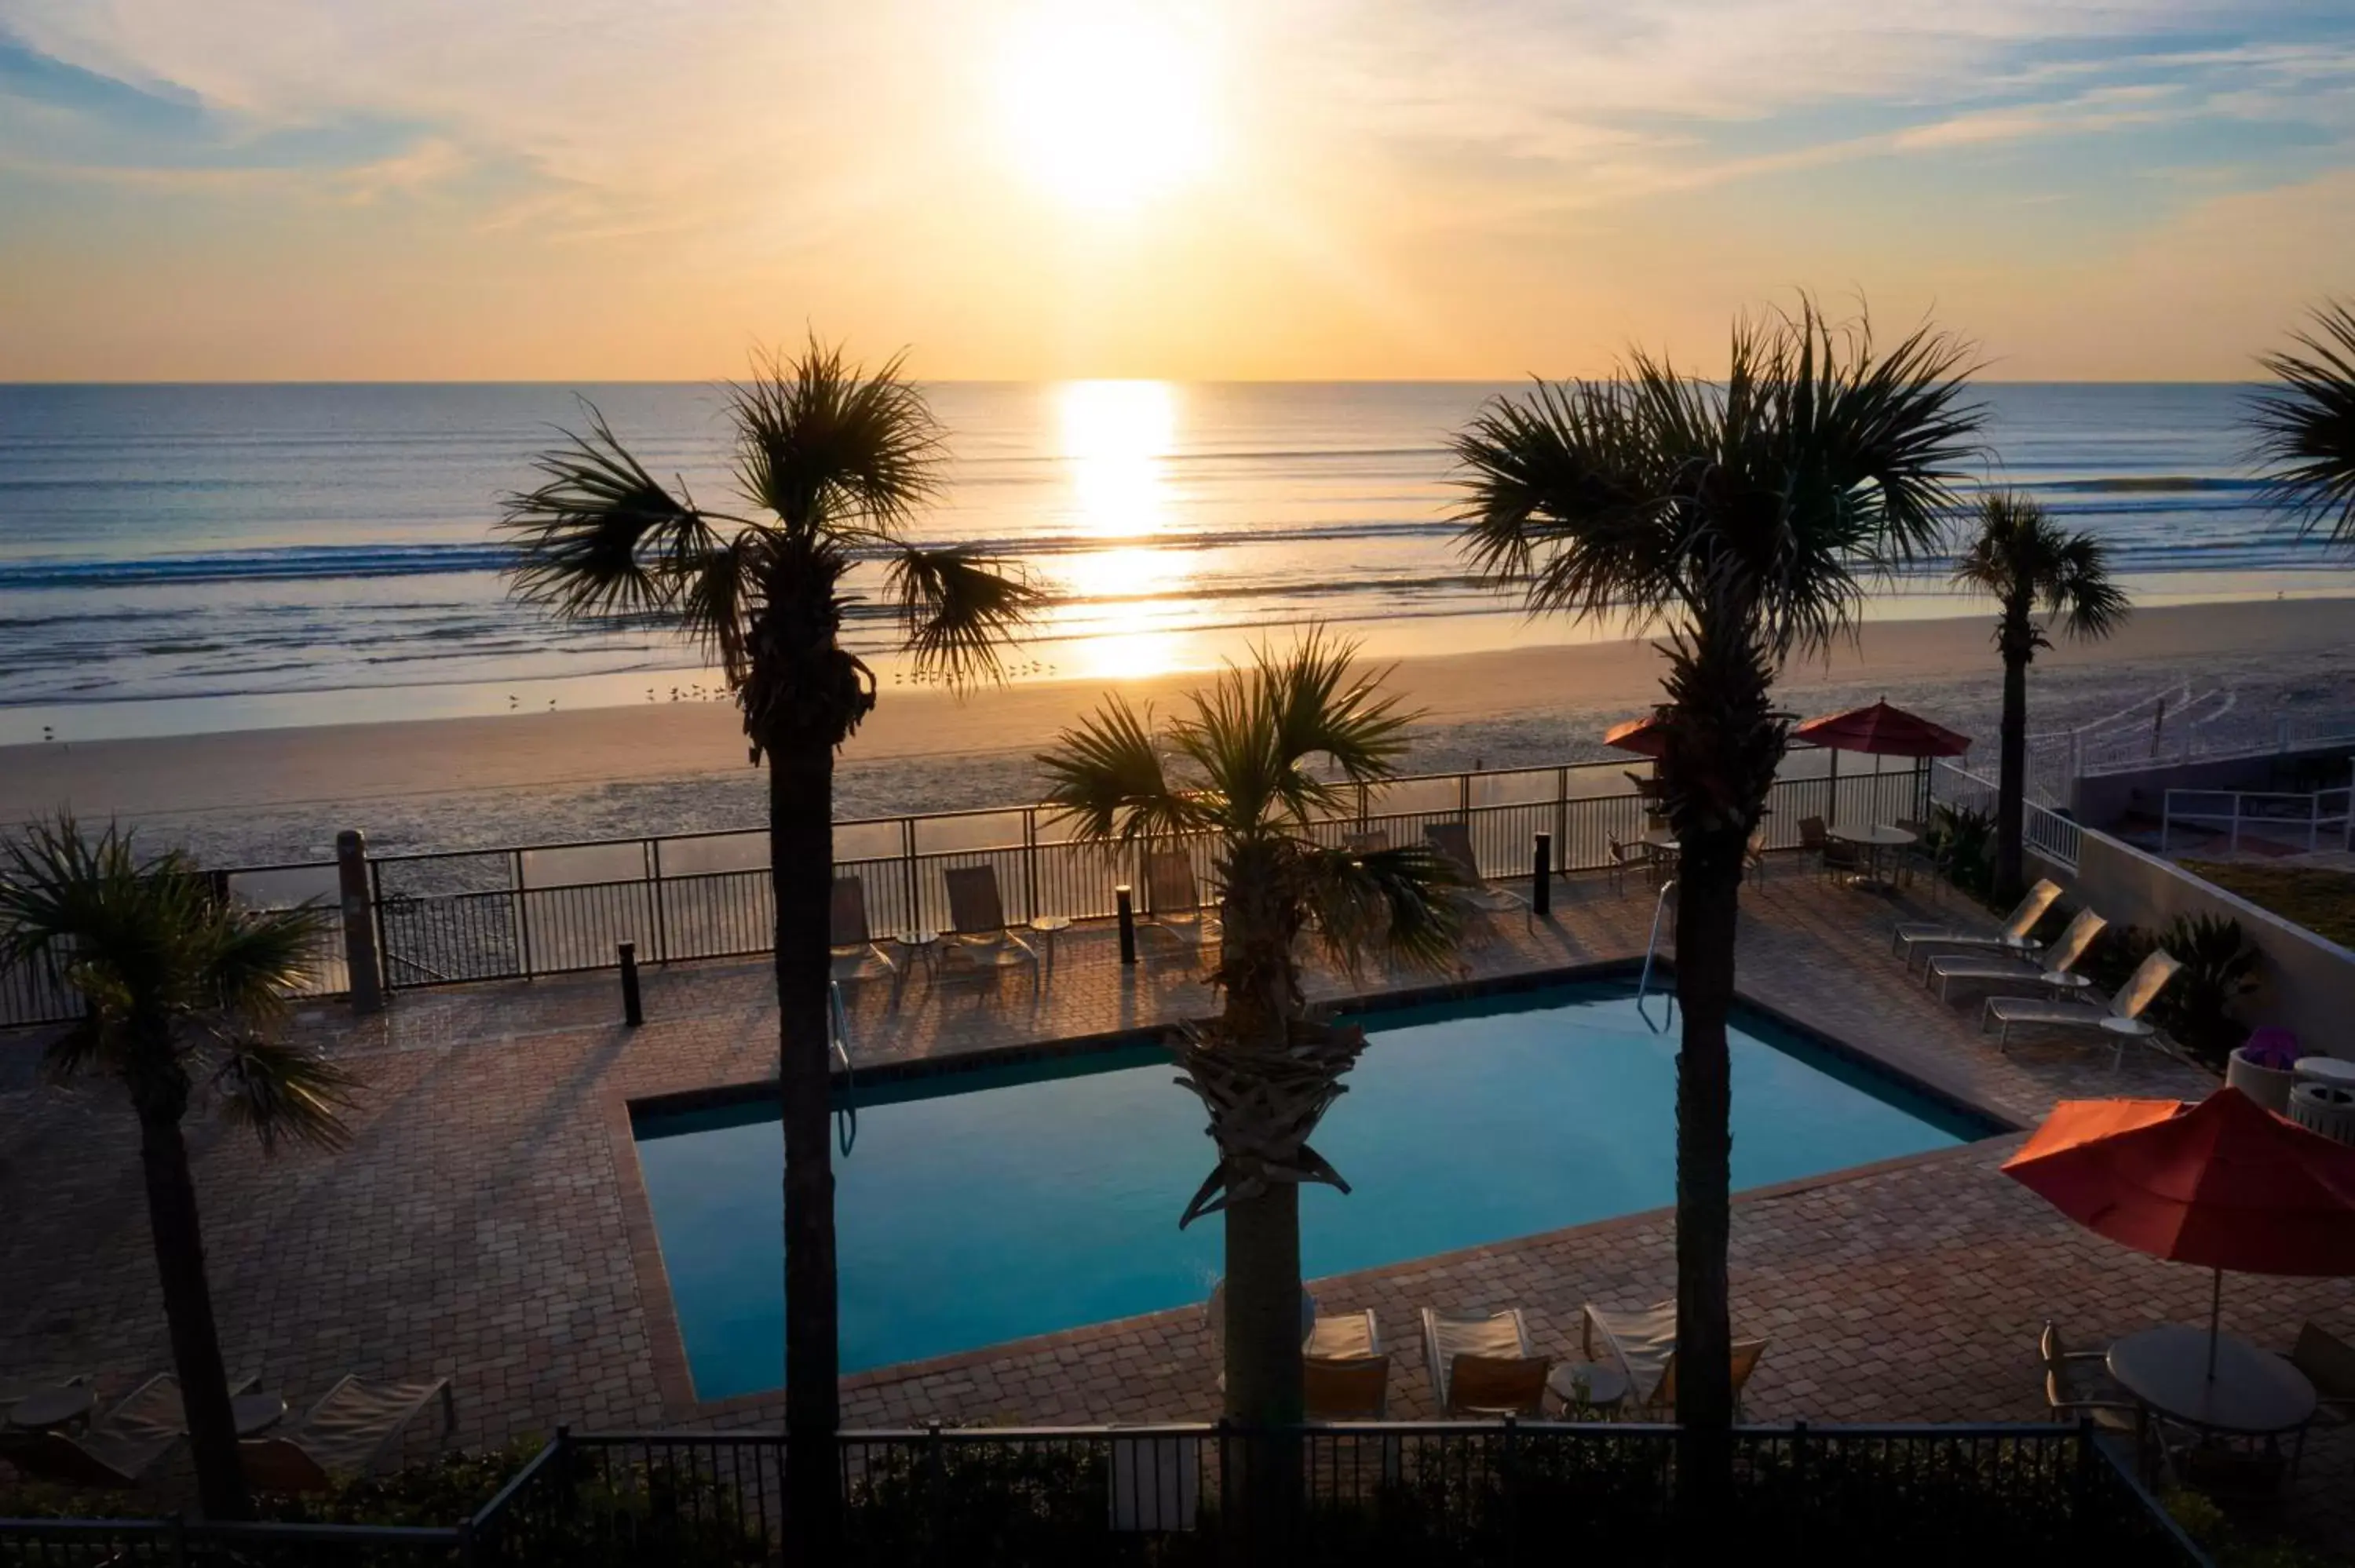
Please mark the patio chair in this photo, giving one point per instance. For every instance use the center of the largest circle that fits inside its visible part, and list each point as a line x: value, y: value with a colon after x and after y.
x: 1454, y: 843
x: 342, y: 1435
x: 2076, y: 1390
x: 1754, y: 855
x: 1912, y: 858
x: 1640, y: 1341
x: 1841, y: 858
x: 1174, y: 902
x: 849, y: 941
x: 115, y: 1450
x: 2060, y: 959
x: 1483, y: 1366
x: 1345, y: 1374
x: 1662, y: 1401
x: 1367, y: 842
x: 1814, y: 839
x: 978, y: 934
x: 2329, y: 1363
x: 1624, y: 855
x: 1911, y: 935
x: 2122, y: 1019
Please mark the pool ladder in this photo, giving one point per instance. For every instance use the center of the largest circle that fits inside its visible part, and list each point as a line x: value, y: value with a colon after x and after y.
x: 1651, y: 950
x: 838, y: 1032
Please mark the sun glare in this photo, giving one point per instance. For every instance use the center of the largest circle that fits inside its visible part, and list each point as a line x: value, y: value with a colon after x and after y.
x: 1107, y: 106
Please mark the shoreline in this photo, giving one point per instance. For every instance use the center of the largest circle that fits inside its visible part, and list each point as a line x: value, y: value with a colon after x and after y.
x: 624, y: 771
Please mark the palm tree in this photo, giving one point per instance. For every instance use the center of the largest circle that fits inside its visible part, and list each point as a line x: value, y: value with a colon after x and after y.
x: 178, y: 988
x: 833, y: 461
x: 1736, y: 515
x: 2306, y: 427
x: 1239, y: 767
x: 2026, y: 561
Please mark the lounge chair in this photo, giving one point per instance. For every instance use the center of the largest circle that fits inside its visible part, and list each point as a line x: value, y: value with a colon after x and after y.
x: 75, y: 1389
x: 1174, y: 902
x: 1454, y: 843
x: 2329, y: 1363
x: 1640, y: 1341
x: 1754, y: 855
x: 1483, y: 1366
x: 2122, y: 1019
x: 342, y: 1435
x: 2075, y: 1390
x: 978, y: 933
x: 1345, y: 1375
x: 1367, y: 842
x: 2058, y: 960
x: 1911, y: 935
x: 114, y: 1451
x: 1662, y: 1401
x: 849, y: 940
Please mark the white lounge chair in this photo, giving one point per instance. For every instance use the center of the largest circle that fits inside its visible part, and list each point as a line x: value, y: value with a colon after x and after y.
x: 1344, y: 1375
x: 1911, y: 935
x: 2059, y: 960
x: 979, y: 935
x: 2122, y: 1019
x: 342, y: 1435
x: 1641, y: 1340
x: 1174, y: 903
x: 1454, y: 843
x: 1483, y: 1366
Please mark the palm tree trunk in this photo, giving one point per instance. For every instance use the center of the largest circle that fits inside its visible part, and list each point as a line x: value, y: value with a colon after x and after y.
x: 801, y: 876
x: 2011, y: 786
x: 1263, y: 1349
x: 188, y: 1312
x: 1708, y: 885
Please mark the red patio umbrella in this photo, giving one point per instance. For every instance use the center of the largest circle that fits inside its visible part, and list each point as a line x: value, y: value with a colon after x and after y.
x: 2222, y: 1184
x: 1884, y: 731
x: 1645, y: 736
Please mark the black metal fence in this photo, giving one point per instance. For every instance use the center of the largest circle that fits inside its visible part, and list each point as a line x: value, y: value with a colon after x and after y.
x: 519, y: 912
x: 1436, y: 1493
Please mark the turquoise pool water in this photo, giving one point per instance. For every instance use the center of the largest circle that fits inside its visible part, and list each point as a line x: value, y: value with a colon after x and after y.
x: 987, y: 1205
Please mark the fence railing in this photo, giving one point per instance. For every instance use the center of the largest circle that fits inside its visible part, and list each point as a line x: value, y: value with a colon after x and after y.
x: 2323, y: 820
x: 2045, y: 833
x: 523, y: 912
x: 1435, y: 1492
x: 2181, y: 724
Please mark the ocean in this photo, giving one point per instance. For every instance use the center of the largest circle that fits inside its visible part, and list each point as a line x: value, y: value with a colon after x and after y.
x: 191, y: 557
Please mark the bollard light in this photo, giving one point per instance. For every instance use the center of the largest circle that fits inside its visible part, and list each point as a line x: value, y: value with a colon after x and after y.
x: 634, y: 1012
x: 1542, y: 877
x: 1127, y: 904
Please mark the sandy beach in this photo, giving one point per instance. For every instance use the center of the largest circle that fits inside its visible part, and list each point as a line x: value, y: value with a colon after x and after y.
x: 268, y: 795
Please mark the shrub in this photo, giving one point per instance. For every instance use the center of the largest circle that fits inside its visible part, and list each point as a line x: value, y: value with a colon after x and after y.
x: 1961, y: 843
x: 2199, y: 1006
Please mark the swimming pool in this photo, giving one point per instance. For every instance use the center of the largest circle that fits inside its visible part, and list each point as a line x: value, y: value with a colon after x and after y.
x: 985, y: 1205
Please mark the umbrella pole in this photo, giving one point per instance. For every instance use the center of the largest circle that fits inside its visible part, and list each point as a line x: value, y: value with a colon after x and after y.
x: 2215, y: 1311
x: 1831, y: 812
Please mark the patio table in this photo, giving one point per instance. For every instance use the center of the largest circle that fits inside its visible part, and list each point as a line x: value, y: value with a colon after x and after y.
x: 1048, y: 927
x: 52, y: 1407
x: 1872, y: 841
x: 2328, y: 1070
x: 2253, y: 1392
x: 255, y: 1413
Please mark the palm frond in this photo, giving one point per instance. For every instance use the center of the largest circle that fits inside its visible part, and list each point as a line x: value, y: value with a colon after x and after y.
x: 2304, y: 428
x: 825, y: 444
x: 1391, y: 901
x: 1105, y: 775
x: 1314, y: 704
x: 2018, y: 555
x: 2089, y: 601
x: 251, y: 960
x: 602, y: 537
x: 958, y: 608
x: 283, y: 1091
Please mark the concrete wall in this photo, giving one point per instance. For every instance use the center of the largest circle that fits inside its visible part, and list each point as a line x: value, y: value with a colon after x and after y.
x: 2104, y: 799
x: 2304, y: 983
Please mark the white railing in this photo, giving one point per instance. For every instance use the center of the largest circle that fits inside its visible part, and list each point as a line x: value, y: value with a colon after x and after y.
x: 2177, y: 725
x: 2046, y: 833
x: 2324, y: 820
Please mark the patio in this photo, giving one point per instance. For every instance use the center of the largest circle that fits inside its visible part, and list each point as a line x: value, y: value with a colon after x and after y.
x: 488, y: 1223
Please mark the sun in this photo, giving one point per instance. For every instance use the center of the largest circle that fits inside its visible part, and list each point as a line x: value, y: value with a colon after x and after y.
x: 1107, y: 106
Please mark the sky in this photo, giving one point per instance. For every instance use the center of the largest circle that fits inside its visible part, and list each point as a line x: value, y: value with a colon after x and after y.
x: 595, y: 189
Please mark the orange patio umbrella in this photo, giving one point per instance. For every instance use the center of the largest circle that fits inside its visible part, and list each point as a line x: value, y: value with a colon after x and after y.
x: 1645, y: 736
x: 1883, y: 731
x: 2224, y: 1183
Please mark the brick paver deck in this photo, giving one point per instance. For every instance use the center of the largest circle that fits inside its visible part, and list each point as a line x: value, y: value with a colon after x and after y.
x: 488, y: 1223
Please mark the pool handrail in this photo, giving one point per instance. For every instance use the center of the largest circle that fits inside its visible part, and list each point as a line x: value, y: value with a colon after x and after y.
x: 1651, y: 950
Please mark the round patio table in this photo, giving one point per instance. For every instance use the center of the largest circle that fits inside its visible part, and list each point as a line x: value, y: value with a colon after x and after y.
x: 1606, y: 1386
x: 1872, y: 841
x: 2253, y: 1393
x: 59, y: 1407
x: 1048, y: 927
